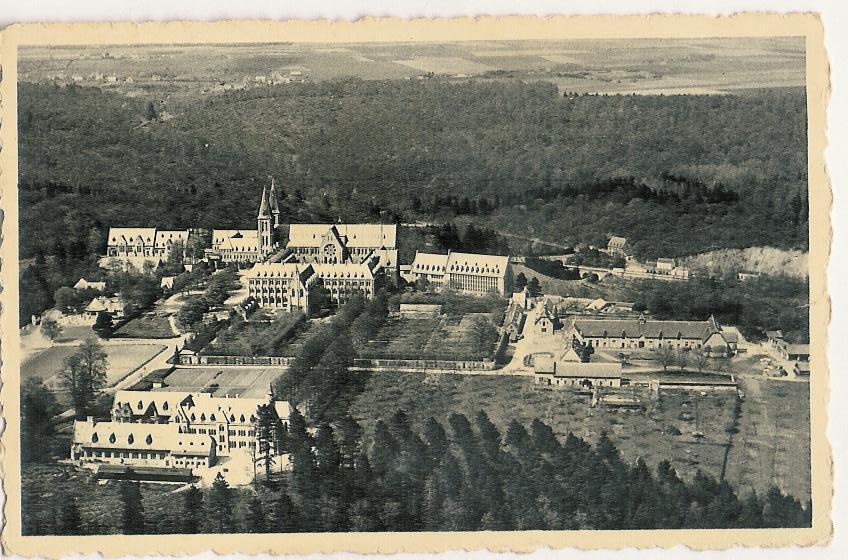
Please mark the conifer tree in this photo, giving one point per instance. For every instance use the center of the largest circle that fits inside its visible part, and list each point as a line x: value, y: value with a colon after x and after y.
x: 132, y: 518
x: 285, y: 516
x: 219, y: 506
x: 70, y: 520
x: 191, y: 511
x: 255, y: 520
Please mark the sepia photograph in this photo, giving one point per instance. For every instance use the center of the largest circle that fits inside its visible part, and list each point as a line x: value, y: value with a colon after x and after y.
x: 403, y: 286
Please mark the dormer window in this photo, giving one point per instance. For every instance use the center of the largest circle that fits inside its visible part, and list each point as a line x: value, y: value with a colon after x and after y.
x: 94, y: 438
x: 130, y: 439
x: 112, y: 438
x: 148, y: 440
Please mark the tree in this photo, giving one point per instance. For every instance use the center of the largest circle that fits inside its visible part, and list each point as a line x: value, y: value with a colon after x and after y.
x: 103, y: 324
x: 132, y: 517
x: 483, y: 334
x: 681, y: 358
x: 70, y: 519
x: 665, y: 356
x: 38, y: 406
x: 84, y: 376
x: 68, y: 300
x: 191, y: 511
x: 219, y: 510
x: 520, y: 282
x: 264, y: 426
x: 285, y: 515
x: 150, y: 113
x: 700, y: 359
x: 534, y: 287
x: 192, y: 312
x: 256, y: 519
x: 51, y: 329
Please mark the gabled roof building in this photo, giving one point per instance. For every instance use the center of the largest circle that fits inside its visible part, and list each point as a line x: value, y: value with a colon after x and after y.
x: 651, y: 334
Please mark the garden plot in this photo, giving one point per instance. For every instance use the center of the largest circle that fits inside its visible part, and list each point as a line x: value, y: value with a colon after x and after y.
x: 448, y: 337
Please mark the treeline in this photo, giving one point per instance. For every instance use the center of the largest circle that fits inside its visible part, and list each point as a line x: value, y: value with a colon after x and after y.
x: 461, y: 475
x: 319, y: 378
x: 756, y: 305
x: 677, y: 174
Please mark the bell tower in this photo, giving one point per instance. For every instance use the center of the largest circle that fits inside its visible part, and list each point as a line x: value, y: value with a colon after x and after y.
x: 263, y: 226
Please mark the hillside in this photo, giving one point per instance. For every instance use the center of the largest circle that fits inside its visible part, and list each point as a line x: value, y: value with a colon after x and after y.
x: 676, y: 175
x: 767, y: 260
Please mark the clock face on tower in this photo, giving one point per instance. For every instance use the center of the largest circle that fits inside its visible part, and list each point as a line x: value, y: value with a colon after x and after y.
x: 329, y: 249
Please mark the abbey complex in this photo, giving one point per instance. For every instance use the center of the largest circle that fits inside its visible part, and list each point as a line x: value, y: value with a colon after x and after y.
x: 292, y: 262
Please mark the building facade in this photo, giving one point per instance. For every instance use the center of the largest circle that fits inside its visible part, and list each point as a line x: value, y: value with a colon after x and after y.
x: 151, y: 243
x: 292, y: 285
x: 344, y: 243
x: 230, y: 422
x: 289, y: 286
x: 141, y: 445
x: 576, y: 374
x: 464, y: 272
x: 650, y: 334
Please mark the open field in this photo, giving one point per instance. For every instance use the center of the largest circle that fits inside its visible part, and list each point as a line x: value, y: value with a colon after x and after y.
x: 664, y: 430
x: 148, y: 325
x: 121, y: 360
x: 773, y: 443
x: 603, y: 66
x: 230, y: 381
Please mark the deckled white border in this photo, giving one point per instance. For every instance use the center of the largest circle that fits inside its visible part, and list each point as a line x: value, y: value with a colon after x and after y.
x: 837, y: 45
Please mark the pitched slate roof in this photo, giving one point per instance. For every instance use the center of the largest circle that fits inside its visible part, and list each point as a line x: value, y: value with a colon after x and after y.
x: 164, y: 236
x: 141, y: 437
x: 107, y: 304
x: 429, y: 263
x: 282, y: 270
x: 221, y: 235
x: 356, y: 235
x: 263, y: 205
x: 478, y: 265
x: 129, y: 236
x: 611, y: 370
x: 272, y: 198
x: 634, y: 328
x: 798, y: 349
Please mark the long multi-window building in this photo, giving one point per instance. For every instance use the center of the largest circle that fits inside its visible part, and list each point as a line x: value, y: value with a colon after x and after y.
x: 143, y: 243
x: 172, y: 429
x: 464, y: 272
x: 291, y: 285
x: 650, y: 334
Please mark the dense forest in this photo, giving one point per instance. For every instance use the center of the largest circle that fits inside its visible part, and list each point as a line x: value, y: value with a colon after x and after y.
x: 676, y: 175
x: 458, y: 475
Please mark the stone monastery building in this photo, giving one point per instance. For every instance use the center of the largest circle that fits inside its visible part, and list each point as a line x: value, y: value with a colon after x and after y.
x: 464, y: 272
x: 172, y: 429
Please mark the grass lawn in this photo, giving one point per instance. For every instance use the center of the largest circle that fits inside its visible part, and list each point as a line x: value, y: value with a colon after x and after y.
x: 121, y: 359
x: 651, y: 434
x: 444, y: 337
x: 149, y: 325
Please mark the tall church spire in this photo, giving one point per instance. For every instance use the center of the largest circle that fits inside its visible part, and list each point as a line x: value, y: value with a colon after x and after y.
x: 274, y: 204
x: 263, y: 205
